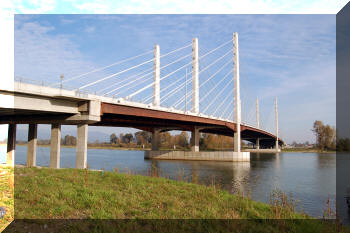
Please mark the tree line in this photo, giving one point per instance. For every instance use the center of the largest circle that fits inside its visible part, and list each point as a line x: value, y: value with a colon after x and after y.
x: 169, y: 141
x: 325, y: 140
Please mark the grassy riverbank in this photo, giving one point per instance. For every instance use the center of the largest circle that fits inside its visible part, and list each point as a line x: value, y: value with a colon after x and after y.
x: 82, y: 194
x: 6, y: 195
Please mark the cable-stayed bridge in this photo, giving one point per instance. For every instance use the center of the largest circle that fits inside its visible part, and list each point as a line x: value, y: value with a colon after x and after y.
x: 191, y: 91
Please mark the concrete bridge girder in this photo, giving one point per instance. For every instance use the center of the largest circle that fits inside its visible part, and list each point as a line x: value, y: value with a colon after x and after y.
x: 46, y: 111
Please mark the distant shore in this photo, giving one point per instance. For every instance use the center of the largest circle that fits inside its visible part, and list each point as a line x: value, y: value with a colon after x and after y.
x: 110, y: 147
x: 95, y: 147
x: 304, y: 150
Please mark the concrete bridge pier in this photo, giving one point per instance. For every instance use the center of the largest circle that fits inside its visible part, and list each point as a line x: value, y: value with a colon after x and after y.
x: 11, y: 145
x: 55, y: 146
x: 257, y: 144
x: 81, y: 157
x: 195, y: 139
x: 237, y: 142
x: 155, y: 139
x: 32, y: 144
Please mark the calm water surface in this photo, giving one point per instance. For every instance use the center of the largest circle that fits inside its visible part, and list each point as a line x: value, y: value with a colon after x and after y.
x: 308, y: 177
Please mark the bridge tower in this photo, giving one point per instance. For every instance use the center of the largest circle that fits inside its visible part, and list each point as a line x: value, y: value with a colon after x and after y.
x: 237, y: 98
x: 195, y: 75
x: 195, y: 93
x: 276, y: 122
x: 156, y: 94
x: 156, y: 77
x: 257, y: 145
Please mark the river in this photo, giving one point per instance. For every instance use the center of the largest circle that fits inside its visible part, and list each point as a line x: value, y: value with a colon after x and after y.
x: 308, y: 178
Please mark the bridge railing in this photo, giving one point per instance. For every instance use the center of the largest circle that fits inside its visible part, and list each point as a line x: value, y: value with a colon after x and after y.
x: 79, y: 93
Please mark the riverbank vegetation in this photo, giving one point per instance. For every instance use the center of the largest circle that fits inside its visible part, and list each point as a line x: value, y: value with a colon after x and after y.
x: 325, y: 136
x: 43, y: 193
x: 141, y: 140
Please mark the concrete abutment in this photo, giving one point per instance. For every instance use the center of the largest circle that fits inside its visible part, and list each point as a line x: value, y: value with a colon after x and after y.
x: 228, y: 156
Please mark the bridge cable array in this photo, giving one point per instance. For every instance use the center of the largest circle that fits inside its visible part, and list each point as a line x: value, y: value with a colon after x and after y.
x: 105, y: 67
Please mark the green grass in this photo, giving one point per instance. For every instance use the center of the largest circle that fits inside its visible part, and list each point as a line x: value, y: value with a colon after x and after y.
x: 82, y: 194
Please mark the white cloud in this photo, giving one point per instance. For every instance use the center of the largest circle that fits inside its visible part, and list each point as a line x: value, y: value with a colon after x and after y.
x: 96, y: 7
x: 35, y: 6
x: 40, y: 55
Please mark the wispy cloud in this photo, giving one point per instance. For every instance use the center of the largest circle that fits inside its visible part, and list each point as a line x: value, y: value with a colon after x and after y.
x: 41, y: 56
x: 90, y: 29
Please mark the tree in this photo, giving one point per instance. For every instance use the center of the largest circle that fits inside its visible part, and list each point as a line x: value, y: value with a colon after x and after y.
x: 182, y: 139
x: 121, y: 138
x: 143, y: 137
x: 128, y: 138
x: 165, y: 139
x: 69, y: 140
x: 325, y: 136
x: 113, y: 139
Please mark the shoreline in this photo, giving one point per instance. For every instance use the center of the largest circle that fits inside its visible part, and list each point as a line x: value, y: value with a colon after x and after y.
x: 148, y: 149
x: 309, y: 151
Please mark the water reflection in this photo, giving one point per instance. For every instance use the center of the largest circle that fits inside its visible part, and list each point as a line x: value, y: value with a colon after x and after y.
x: 240, y: 178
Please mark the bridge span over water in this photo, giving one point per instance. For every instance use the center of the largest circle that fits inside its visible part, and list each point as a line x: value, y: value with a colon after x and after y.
x: 44, y: 104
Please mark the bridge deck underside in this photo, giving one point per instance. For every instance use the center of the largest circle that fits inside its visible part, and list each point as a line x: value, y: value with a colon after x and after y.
x: 143, y: 119
x: 148, y: 119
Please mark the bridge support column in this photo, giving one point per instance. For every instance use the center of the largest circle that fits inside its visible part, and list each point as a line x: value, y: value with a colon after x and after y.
x: 11, y: 145
x: 81, y: 160
x: 237, y: 142
x: 32, y: 143
x: 195, y: 139
x: 257, y: 145
x: 55, y: 146
x: 155, y: 139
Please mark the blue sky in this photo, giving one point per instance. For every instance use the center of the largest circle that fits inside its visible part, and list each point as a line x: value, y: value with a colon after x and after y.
x: 288, y: 56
